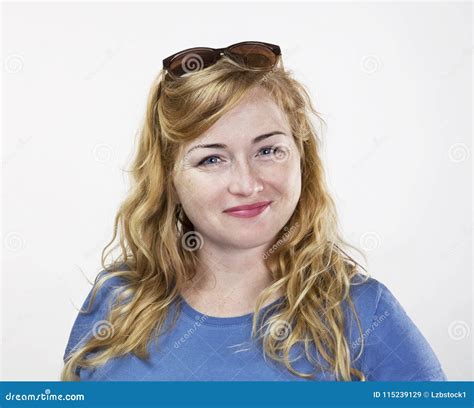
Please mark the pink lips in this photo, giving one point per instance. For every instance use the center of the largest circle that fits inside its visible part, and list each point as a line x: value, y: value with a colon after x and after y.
x: 246, y: 211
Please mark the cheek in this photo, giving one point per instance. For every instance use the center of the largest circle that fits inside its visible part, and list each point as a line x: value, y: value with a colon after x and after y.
x: 198, y: 191
x: 283, y: 175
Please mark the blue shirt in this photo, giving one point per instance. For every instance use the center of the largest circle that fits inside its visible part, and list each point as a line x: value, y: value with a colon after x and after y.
x: 207, y: 348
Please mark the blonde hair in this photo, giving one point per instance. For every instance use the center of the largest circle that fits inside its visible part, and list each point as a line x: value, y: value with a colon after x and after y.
x: 309, y: 264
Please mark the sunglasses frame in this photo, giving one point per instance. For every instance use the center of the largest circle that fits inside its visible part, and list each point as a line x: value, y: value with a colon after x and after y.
x: 219, y: 52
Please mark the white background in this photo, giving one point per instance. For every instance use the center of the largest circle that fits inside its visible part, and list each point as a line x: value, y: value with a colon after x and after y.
x: 392, y: 81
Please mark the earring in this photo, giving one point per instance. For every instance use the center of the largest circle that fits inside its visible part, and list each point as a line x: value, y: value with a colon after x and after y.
x: 179, y: 212
x: 181, y: 217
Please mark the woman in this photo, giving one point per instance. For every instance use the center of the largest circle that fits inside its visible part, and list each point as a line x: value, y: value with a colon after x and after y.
x: 232, y: 266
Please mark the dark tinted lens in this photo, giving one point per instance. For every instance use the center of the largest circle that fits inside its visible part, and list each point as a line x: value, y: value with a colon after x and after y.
x: 253, y: 56
x: 192, y: 61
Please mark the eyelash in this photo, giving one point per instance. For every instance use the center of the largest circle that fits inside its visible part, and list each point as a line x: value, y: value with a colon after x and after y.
x: 203, y: 161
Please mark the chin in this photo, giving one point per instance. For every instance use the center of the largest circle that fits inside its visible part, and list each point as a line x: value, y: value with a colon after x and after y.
x: 249, y: 239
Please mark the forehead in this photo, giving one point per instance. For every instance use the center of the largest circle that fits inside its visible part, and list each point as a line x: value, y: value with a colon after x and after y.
x: 256, y: 114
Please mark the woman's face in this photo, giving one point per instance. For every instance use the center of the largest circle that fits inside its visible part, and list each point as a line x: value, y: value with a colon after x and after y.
x: 230, y: 165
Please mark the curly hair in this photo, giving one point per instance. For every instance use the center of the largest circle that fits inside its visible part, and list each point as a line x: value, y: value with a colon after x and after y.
x: 309, y: 264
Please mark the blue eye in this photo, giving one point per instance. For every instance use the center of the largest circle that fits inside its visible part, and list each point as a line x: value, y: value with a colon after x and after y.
x: 272, y: 150
x: 205, y: 161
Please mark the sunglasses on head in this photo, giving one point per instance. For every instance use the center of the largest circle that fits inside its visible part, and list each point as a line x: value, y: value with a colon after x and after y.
x: 256, y: 55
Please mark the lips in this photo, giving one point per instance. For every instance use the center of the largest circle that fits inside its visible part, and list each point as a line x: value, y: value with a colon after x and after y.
x: 248, y: 207
x: 248, y: 211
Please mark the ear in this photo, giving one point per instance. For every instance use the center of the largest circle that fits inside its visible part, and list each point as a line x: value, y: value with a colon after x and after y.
x: 175, y: 199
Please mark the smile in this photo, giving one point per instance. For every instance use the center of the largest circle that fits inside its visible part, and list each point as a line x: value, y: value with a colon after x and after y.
x: 248, y: 213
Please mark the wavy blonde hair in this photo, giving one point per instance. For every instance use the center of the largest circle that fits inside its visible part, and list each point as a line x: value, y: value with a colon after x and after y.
x: 309, y: 263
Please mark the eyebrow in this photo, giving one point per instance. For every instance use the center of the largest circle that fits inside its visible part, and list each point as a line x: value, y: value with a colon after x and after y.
x: 223, y: 146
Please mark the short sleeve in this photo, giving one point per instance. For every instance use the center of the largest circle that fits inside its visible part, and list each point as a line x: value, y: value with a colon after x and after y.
x: 395, y: 349
x: 85, y: 323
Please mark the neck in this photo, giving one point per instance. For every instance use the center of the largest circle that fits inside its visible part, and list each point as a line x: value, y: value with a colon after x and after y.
x: 228, y: 281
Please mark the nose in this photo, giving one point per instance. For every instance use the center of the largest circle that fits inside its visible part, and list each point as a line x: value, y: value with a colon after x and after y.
x: 244, y: 180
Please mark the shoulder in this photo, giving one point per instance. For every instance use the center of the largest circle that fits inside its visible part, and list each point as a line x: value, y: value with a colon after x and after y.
x: 374, y: 301
x: 394, y: 349
x: 106, y: 288
x: 365, y: 293
x: 94, y: 310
